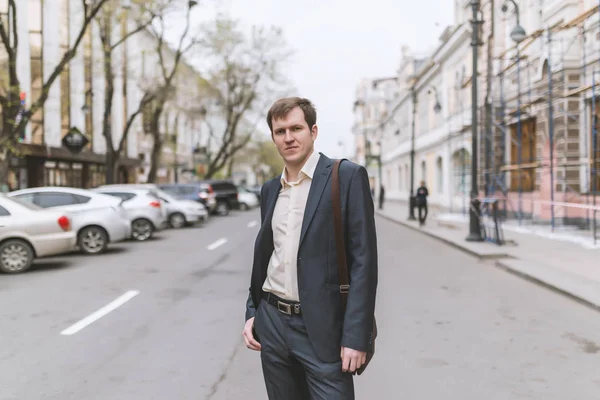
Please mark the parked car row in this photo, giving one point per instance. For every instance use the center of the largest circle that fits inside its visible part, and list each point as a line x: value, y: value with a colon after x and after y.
x: 47, y: 221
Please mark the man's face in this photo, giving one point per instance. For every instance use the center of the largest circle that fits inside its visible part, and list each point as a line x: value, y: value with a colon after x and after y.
x: 293, y: 137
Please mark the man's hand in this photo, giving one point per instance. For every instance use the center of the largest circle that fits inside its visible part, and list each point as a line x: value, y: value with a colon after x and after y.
x: 352, y: 359
x: 251, y: 343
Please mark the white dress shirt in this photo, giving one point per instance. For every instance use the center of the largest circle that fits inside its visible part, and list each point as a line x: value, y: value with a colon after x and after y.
x: 282, y: 275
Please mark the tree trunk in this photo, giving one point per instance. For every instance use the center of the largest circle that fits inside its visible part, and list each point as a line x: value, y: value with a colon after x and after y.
x: 4, y: 168
x: 230, y: 165
x: 156, y: 146
x: 109, y: 91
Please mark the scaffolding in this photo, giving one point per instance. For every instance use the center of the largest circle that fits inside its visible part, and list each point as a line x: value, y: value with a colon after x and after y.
x: 548, y: 103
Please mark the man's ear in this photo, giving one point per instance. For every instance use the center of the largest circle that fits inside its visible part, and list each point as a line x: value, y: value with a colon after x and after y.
x: 314, y: 132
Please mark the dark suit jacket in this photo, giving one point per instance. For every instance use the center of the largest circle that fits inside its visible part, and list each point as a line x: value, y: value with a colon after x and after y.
x: 318, y: 284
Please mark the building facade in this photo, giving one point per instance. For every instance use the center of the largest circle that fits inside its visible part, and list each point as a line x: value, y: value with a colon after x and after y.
x: 48, y: 28
x: 534, y: 96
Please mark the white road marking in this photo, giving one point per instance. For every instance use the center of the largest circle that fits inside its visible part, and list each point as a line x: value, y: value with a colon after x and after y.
x: 251, y: 224
x: 216, y: 244
x: 113, y: 305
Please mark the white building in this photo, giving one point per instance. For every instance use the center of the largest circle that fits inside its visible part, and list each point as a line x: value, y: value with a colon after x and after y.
x: 46, y: 29
x: 514, y: 162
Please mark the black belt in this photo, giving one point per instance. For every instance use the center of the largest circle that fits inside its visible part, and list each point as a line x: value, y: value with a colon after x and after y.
x: 285, y: 306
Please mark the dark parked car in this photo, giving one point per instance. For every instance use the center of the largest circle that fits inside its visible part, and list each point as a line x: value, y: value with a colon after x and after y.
x: 226, y: 194
x: 199, y: 192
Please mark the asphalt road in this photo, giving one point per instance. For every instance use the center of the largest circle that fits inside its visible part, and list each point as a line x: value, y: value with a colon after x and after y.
x: 450, y: 327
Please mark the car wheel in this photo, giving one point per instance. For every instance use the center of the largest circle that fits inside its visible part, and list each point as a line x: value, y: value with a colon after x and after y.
x: 222, y: 208
x: 177, y: 220
x: 244, y: 206
x: 92, y: 240
x: 15, y: 256
x: 141, y: 229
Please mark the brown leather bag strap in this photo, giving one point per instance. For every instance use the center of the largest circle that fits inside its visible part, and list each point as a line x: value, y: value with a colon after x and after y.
x: 340, y: 245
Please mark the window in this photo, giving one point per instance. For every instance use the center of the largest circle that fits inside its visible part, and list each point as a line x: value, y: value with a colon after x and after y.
x: 528, y: 143
x: 28, y: 198
x: 54, y: 199
x: 439, y: 175
x: 63, y: 174
x: 461, y: 171
x: 81, y: 199
x: 97, y: 175
x: 28, y: 205
x: 88, y: 77
x: 4, y: 212
x: 65, y: 86
x: 595, y: 158
x: 122, y: 195
x: 35, y: 19
x: 423, y: 171
x: 400, y: 177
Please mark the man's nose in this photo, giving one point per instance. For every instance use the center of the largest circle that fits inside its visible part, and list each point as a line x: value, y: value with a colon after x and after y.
x: 288, y: 136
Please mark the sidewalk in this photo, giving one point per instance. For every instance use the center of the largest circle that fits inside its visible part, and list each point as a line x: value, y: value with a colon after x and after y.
x: 562, y: 265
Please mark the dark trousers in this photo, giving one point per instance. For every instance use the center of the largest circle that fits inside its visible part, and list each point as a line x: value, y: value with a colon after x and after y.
x: 422, y: 212
x: 291, y: 368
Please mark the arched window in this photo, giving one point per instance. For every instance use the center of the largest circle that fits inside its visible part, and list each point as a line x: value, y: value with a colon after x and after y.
x: 439, y: 175
x: 400, y: 178
x: 461, y: 171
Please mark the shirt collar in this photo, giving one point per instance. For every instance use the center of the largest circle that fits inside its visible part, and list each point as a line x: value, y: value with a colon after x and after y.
x: 308, y: 169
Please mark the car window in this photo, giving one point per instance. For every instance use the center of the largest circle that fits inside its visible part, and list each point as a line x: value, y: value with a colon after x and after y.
x: 25, y: 198
x: 121, y: 195
x: 81, y: 199
x: 54, y: 199
x: 154, y: 194
x: 24, y: 203
x: 4, y: 212
x: 242, y: 190
x: 190, y: 190
x: 172, y: 190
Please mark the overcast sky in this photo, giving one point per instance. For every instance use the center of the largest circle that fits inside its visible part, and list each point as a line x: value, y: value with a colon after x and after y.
x: 339, y: 42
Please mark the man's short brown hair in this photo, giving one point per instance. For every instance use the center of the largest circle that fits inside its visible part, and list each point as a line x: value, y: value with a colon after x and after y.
x: 282, y: 107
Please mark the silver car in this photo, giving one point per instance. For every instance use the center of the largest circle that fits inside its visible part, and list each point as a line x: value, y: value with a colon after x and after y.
x: 98, y: 219
x: 28, y: 232
x: 144, y: 209
x: 183, y: 212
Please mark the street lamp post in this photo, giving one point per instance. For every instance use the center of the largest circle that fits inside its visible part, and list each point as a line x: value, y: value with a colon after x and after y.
x: 518, y: 34
x: 474, y: 227
x: 411, y: 199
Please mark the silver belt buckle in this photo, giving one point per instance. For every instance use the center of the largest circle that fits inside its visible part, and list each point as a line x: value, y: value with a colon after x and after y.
x: 284, y: 308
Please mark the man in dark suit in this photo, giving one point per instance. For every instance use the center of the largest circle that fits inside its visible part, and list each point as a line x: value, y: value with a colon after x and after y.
x: 309, y: 345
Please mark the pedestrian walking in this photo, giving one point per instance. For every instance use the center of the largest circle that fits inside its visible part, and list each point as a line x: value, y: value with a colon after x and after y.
x: 422, y: 194
x: 381, y: 197
x: 312, y: 329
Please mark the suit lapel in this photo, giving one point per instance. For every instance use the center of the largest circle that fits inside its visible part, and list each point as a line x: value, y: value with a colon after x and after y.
x: 317, y: 186
x: 276, y: 187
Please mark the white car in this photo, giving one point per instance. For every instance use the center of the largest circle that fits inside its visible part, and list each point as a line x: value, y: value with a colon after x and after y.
x: 97, y: 219
x: 246, y: 199
x: 182, y: 212
x: 28, y: 232
x: 144, y: 208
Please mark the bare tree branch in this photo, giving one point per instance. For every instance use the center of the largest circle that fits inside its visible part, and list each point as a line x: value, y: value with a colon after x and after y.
x: 130, y: 34
x: 67, y: 57
x: 12, y: 5
x: 5, y: 37
x: 146, y: 99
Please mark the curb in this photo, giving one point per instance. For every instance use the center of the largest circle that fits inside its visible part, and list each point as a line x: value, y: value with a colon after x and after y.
x: 589, y: 297
x: 586, y: 292
x: 493, y: 256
